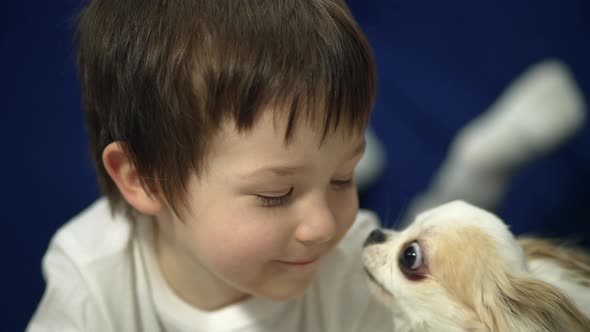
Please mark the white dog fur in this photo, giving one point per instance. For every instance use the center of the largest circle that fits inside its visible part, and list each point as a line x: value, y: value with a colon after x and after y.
x: 458, y: 268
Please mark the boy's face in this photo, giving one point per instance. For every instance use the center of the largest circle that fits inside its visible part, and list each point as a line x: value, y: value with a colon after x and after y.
x: 263, y: 214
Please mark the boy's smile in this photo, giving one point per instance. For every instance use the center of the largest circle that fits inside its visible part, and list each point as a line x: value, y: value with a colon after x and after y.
x: 300, y: 263
x: 262, y: 214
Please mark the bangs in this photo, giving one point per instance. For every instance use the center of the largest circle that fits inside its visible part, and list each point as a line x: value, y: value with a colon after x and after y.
x: 318, y: 70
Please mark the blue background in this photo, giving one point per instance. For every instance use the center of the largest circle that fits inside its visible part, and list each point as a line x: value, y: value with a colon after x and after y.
x: 440, y: 64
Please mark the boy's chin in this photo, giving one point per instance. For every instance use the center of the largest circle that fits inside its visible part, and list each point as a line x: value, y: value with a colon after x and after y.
x: 286, y: 291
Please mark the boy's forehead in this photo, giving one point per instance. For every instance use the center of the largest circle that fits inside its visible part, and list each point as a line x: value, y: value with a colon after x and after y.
x: 263, y: 147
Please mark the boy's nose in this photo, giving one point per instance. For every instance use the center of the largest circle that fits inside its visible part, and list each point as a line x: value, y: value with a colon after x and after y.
x: 375, y: 237
x: 318, y: 227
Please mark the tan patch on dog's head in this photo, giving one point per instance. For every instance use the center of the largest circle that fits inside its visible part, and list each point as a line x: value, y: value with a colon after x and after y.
x: 461, y: 260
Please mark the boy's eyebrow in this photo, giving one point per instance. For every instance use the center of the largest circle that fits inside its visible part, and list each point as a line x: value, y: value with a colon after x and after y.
x: 277, y: 170
x: 291, y: 170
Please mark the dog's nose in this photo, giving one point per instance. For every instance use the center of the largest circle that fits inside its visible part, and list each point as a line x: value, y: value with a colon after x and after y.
x: 376, y: 236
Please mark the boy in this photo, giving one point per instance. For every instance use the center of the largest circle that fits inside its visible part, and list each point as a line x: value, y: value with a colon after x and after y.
x: 225, y: 135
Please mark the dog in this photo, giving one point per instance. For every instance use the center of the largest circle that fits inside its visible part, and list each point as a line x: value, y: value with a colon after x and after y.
x: 458, y: 268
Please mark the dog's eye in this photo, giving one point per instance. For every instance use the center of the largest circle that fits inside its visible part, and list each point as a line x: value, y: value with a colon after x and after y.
x: 411, y: 257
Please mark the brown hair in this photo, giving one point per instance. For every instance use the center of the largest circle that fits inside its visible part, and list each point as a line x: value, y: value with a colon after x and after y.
x: 161, y: 76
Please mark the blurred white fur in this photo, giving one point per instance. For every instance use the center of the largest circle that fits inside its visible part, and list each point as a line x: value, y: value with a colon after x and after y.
x: 538, y: 112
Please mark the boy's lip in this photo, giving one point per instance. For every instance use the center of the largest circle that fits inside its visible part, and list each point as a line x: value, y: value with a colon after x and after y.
x: 300, y: 262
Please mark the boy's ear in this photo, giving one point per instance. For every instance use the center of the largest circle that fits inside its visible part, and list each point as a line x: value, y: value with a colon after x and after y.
x: 124, y: 174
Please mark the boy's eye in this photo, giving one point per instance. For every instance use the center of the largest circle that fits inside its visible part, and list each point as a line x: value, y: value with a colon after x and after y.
x: 341, y: 184
x: 275, y: 201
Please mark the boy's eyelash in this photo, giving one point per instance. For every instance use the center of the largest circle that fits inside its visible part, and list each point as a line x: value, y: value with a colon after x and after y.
x: 275, y: 201
x: 342, y: 183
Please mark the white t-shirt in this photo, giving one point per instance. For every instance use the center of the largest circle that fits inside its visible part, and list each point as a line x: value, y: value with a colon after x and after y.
x: 102, y: 275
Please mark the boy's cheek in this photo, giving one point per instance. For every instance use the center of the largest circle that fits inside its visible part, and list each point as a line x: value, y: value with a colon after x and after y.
x: 241, y: 260
x: 347, y: 209
x: 242, y: 241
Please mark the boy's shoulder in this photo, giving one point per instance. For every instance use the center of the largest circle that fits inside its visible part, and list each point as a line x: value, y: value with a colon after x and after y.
x: 88, y: 269
x: 94, y: 234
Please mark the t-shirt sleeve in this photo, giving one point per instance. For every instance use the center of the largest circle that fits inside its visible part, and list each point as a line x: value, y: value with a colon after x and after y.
x: 67, y: 304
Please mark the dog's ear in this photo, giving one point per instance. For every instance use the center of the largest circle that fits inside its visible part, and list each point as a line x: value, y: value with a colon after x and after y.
x: 525, y: 304
x: 569, y: 256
